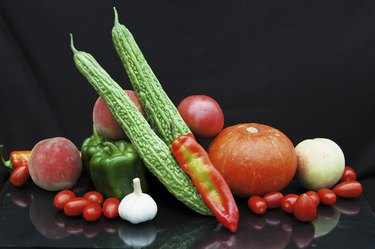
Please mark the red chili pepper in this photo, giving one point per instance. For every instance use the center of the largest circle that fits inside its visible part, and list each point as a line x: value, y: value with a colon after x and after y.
x: 194, y: 160
x: 16, y: 158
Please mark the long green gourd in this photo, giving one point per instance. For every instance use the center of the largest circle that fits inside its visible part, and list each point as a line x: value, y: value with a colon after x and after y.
x: 155, y: 154
x: 160, y: 110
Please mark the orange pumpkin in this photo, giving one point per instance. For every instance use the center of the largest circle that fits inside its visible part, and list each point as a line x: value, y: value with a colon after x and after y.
x: 254, y: 159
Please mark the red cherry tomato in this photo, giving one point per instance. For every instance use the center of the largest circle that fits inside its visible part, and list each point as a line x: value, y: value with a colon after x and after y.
x: 110, y: 208
x: 202, y: 114
x: 349, y: 174
x: 348, y: 189
x: 304, y: 209
x: 273, y: 199
x: 94, y: 196
x: 314, y: 195
x: 19, y: 176
x: 92, y: 211
x: 62, y: 197
x: 287, y: 202
x: 257, y: 204
x: 75, y: 206
x: 327, y: 196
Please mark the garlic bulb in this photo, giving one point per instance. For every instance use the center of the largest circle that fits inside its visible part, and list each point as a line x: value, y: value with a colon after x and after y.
x: 137, y: 207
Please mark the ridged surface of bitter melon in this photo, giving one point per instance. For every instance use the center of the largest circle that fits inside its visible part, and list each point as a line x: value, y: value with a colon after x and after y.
x: 154, y: 152
x: 160, y: 110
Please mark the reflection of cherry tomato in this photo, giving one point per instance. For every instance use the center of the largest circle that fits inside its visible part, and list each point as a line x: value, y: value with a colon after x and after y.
x: 327, y: 196
x: 62, y: 197
x: 94, y: 196
x: 288, y: 202
x: 110, y: 208
x: 304, y: 209
x: 273, y: 199
x: 348, y: 189
x: 257, y: 204
x: 75, y: 206
x: 349, y: 174
x: 314, y: 195
x: 19, y: 176
x: 92, y: 212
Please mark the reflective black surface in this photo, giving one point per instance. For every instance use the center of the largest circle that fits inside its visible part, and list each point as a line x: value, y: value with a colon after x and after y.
x: 28, y: 219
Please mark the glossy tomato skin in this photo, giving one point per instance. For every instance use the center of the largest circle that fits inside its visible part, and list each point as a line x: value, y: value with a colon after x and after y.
x: 202, y: 114
x: 348, y: 189
x: 327, y: 196
x: 314, y: 195
x: 254, y: 159
x: 304, y: 209
x: 75, y: 206
x: 273, y: 199
x: 349, y: 174
x: 257, y: 204
x: 63, y: 197
x: 110, y: 208
x: 92, y: 211
x: 94, y: 196
x: 288, y: 201
x: 19, y: 176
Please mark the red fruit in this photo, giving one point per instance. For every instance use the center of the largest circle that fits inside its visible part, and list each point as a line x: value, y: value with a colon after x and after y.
x: 327, y: 196
x: 254, y: 159
x: 75, y: 206
x: 257, y: 204
x: 349, y: 174
x: 94, y: 196
x: 63, y: 197
x: 19, y: 176
x: 304, y: 209
x: 110, y: 208
x: 273, y: 199
x: 348, y: 189
x: 288, y: 201
x: 314, y: 195
x: 92, y: 211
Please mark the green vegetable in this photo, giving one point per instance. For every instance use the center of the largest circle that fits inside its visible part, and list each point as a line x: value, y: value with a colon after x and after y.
x: 160, y: 110
x: 114, y: 167
x: 90, y: 146
x: 155, y: 154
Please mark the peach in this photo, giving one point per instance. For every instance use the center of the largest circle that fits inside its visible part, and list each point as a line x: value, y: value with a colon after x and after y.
x: 104, y: 122
x: 55, y: 164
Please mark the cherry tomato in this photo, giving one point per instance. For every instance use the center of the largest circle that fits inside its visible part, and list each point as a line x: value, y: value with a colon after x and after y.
x: 273, y: 199
x: 19, y: 176
x: 94, y: 196
x: 287, y: 202
x: 257, y: 204
x: 327, y: 196
x: 314, y: 195
x: 304, y: 209
x: 110, y: 208
x: 348, y: 189
x: 75, y: 206
x: 202, y: 114
x: 62, y: 197
x: 349, y: 174
x: 92, y: 211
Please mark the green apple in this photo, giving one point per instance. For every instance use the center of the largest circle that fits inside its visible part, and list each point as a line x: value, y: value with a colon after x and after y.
x: 321, y: 163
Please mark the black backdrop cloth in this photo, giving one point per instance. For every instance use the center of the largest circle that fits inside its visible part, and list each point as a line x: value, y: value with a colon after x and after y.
x: 306, y: 68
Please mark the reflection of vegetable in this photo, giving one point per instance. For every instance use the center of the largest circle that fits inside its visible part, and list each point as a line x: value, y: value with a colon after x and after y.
x: 159, y: 108
x: 253, y: 158
x: 257, y: 204
x: 194, y: 160
x: 114, y: 167
x: 154, y: 152
x: 137, y: 207
x: 304, y: 208
x: 138, y: 236
x: 348, y: 189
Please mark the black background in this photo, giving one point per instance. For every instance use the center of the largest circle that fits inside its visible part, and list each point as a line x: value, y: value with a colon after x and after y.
x: 303, y: 67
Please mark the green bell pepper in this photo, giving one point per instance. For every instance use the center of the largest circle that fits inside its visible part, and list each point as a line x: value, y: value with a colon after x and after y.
x: 112, y: 165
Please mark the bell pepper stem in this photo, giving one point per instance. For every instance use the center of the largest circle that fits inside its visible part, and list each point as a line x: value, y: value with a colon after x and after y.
x: 8, y: 163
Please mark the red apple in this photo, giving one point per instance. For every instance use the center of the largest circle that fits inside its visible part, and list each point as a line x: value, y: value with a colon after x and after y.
x: 105, y: 123
x: 55, y: 164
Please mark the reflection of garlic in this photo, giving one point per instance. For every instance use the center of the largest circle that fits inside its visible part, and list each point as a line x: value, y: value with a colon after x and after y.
x: 137, y: 207
x: 138, y: 236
